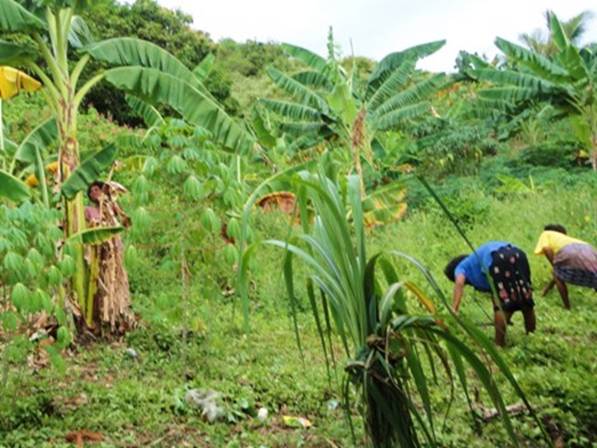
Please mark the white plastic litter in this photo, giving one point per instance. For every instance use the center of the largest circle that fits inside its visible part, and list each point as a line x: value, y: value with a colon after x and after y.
x: 207, y: 401
x: 262, y: 414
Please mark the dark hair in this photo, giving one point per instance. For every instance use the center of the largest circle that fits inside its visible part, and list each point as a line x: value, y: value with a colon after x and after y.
x: 95, y: 183
x: 556, y: 228
x: 451, y: 266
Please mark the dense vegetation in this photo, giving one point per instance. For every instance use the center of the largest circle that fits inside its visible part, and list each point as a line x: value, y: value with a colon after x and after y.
x: 314, y: 327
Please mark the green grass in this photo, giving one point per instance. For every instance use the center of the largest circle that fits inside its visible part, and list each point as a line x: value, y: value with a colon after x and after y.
x: 139, y: 402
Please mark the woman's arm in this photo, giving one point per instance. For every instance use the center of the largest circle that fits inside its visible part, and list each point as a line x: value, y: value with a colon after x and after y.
x: 549, y: 254
x: 549, y: 286
x: 122, y: 216
x: 459, y: 282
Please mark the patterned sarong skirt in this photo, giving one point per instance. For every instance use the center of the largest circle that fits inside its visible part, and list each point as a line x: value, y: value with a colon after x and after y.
x: 577, y: 264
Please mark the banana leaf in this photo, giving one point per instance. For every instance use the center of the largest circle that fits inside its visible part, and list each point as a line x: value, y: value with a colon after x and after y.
x: 97, y: 235
x: 15, y: 18
x: 39, y: 138
x: 88, y: 171
x: 12, y: 188
x: 195, y: 107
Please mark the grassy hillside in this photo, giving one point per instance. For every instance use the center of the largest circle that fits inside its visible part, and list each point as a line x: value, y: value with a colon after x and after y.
x: 140, y: 401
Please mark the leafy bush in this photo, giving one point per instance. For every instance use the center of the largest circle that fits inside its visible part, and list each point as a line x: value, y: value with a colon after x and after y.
x: 32, y: 277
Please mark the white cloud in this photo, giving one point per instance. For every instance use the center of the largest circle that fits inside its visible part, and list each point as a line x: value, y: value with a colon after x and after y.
x: 378, y: 27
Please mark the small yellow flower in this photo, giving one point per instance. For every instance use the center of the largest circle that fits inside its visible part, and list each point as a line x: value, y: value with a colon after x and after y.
x: 52, y: 167
x: 32, y: 181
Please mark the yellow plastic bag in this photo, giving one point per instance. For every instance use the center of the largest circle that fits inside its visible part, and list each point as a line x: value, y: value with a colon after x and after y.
x: 12, y: 81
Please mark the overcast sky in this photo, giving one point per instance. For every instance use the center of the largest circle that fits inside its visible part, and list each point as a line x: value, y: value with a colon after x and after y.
x: 378, y: 27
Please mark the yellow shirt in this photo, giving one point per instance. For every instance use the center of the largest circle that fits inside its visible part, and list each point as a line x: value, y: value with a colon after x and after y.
x: 555, y: 241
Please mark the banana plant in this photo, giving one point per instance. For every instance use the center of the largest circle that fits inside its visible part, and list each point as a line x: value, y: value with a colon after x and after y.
x: 329, y: 104
x: 567, y: 80
x: 139, y: 68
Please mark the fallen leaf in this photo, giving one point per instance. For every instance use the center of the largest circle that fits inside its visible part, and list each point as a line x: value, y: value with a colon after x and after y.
x: 296, y: 422
x: 80, y: 437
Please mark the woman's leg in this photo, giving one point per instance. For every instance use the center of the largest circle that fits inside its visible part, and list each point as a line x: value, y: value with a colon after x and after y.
x: 563, y: 290
x: 529, y: 319
x: 500, y: 322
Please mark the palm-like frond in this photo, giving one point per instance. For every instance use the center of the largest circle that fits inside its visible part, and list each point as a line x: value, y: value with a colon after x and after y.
x: 299, y: 91
x: 395, y: 81
x: 520, y: 80
x: 508, y: 94
x: 314, y: 79
x: 394, y: 60
x: 395, y: 118
x: 40, y: 138
x: 313, y: 60
x: 414, y: 93
x: 538, y: 64
x: 291, y: 111
x: 12, y: 188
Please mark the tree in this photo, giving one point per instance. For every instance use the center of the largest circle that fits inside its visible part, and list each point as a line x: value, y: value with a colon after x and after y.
x: 147, y: 20
x: 543, y: 43
x: 333, y: 105
x: 567, y: 80
x: 141, y: 68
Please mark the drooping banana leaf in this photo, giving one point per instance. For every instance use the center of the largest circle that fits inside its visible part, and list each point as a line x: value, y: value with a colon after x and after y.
x: 12, y: 188
x: 292, y: 111
x: 13, y: 54
x: 97, y: 235
x: 411, y: 95
x: 392, y: 84
x: 262, y: 130
x: 314, y: 79
x: 194, y: 106
x: 151, y: 116
x: 15, y: 18
x: 129, y: 51
x: 204, y: 67
x: 308, y: 57
x: 394, y: 60
x: 537, y: 63
x: 515, y: 78
x: 299, y: 91
x: 39, y: 138
x: 395, y: 118
x: 79, y: 34
x: 9, y: 147
x: 88, y: 171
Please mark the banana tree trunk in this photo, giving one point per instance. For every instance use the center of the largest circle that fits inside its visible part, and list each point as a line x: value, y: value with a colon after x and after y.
x: 68, y: 157
x: 358, y: 143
